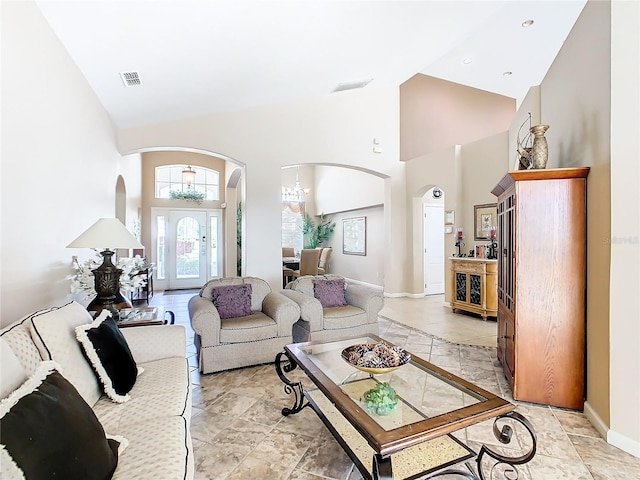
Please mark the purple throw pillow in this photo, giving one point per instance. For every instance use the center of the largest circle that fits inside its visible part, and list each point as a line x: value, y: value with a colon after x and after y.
x: 330, y: 292
x: 232, y: 300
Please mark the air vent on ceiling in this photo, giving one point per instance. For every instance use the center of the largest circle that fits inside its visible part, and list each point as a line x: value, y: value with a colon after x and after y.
x: 352, y: 85
x: 131, y: 79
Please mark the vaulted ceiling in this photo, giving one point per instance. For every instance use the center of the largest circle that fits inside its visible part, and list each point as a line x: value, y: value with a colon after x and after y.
x: 200, y: 57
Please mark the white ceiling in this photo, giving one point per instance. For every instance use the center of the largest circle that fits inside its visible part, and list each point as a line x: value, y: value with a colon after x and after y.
x: 201, y: 57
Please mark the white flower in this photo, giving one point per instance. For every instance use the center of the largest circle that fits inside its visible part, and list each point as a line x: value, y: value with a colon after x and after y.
x: 83, y: 280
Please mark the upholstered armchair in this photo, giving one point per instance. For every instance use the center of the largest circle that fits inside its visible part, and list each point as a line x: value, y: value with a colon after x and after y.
x: 240, y: 322
x: 332, y: 308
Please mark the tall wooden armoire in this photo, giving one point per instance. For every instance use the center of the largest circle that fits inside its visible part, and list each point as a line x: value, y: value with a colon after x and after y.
x: 542, y: 284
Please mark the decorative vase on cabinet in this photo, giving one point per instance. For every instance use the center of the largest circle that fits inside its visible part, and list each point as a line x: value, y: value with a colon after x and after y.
x: 540, y: 148
x: 542, y: 284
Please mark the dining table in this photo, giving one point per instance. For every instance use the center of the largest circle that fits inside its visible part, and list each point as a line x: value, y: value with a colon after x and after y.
x: 292, y: 263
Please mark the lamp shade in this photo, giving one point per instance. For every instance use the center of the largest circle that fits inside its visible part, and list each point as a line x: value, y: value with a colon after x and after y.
x: 106, y: 233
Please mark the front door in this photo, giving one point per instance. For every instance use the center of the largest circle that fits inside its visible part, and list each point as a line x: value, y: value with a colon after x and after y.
x: 187, y: 247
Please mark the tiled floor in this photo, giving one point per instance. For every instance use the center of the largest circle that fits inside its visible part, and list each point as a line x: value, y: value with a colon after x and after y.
x: 239, y: 433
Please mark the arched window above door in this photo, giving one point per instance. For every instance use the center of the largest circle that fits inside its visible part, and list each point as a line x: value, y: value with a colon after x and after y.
x: 169, y: 177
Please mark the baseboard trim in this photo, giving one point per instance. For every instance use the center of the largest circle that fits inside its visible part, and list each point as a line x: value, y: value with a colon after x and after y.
x: 612, y: 437
x: 358, y: 282
x: 595, y: 420
x: 404, y: 294
x: 623, y: 442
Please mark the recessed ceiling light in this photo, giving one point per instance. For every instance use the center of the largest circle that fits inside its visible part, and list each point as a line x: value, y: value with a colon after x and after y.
x: 467, y: 61
x: 507, y: 74
x: 527, y: 23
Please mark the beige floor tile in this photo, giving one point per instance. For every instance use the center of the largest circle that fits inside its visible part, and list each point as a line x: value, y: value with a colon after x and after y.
x: 239, y: 433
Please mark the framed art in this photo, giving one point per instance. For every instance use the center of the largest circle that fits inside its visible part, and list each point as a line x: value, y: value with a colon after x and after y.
x: 449, y: 217
x: 485, y: 216
x: 354, y: 236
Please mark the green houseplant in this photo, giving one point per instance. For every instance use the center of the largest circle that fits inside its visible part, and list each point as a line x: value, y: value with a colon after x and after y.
x: 316, y: 235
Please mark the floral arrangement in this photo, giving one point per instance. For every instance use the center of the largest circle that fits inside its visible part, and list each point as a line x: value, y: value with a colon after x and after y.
x: 82, y: 280
x: 188, y: 195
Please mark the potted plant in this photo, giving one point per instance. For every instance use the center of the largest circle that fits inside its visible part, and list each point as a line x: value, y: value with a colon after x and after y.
x: 316, y: 235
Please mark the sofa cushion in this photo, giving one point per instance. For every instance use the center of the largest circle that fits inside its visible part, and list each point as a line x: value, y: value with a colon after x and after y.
x: 12, y: 374
x: 259, y: 289
x: 344, y: 317
x: 252, y: 328
x: 161, y: 391
x: 53, y: 332
x: 109, y: 354
x: 159, y: 449
x: 329, y: 292
x: 49, y: 430
x: 18, y: 336
x: 232, y: 301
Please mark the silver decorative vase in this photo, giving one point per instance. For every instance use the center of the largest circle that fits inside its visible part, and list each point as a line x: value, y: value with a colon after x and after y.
x: 539, y: 149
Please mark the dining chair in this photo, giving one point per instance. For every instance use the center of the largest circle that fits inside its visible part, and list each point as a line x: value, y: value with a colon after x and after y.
x: 323, y: 263
x: 309, y: 258
x: 288, y: 252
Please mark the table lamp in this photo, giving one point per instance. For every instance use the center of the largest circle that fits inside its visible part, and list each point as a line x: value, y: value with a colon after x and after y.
x: 106, y: 233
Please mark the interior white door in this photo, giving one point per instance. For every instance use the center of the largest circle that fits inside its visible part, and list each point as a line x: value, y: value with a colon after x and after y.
x: 433, y: 249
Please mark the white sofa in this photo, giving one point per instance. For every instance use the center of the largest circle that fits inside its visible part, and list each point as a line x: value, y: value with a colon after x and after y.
x: 155, y: 420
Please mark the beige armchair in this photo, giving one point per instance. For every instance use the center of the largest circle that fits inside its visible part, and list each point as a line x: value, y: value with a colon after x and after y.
x: 317, y: 323
x: 254, y: 337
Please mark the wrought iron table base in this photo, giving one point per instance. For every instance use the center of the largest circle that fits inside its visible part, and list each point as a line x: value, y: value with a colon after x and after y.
x: 494, y: 462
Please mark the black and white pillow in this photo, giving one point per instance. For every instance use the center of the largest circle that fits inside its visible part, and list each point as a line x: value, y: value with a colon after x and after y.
x: 109, y: 354
x: 49, y: 430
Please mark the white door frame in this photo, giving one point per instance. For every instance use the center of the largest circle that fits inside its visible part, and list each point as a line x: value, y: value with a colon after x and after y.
x: 163, y: 280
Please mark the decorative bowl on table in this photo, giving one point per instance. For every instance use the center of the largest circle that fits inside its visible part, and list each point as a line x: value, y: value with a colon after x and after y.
x: 375, y: 358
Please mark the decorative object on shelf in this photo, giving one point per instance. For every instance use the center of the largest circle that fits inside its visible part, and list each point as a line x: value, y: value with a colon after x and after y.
x: 437, y: 193
x: 380, y: 400
x: 523, y: 147
x: 189, y: 195
x: 354, y: 236
x: 540, y: 149
x: 459, y: 242
x: 107, y: 277
x: 316, y: 235
x: 493, y: 246
x: 485, y: 217
x: 375, y: 358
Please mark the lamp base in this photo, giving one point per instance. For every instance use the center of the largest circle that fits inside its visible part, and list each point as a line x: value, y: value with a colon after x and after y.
x: 113, y: 305
x: 107, y: 285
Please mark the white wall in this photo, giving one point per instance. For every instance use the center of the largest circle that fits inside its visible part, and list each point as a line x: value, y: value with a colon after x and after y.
x: 625, y: 228
x: 59, y: 163
x: 337, y: 129
x: 342, y: 189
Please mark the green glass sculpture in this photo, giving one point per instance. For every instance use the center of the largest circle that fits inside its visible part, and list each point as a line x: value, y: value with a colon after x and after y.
x: 380, y: 400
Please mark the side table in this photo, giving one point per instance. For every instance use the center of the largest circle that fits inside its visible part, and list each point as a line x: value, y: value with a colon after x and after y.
x: 143, y: 316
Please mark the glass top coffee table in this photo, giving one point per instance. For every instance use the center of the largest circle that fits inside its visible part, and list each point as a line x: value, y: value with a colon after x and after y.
x: 414, y: 437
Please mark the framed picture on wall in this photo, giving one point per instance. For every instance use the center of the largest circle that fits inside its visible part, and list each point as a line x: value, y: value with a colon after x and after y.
x: 354, y: 236
x: 484, y: 217
x: 449, y: 217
